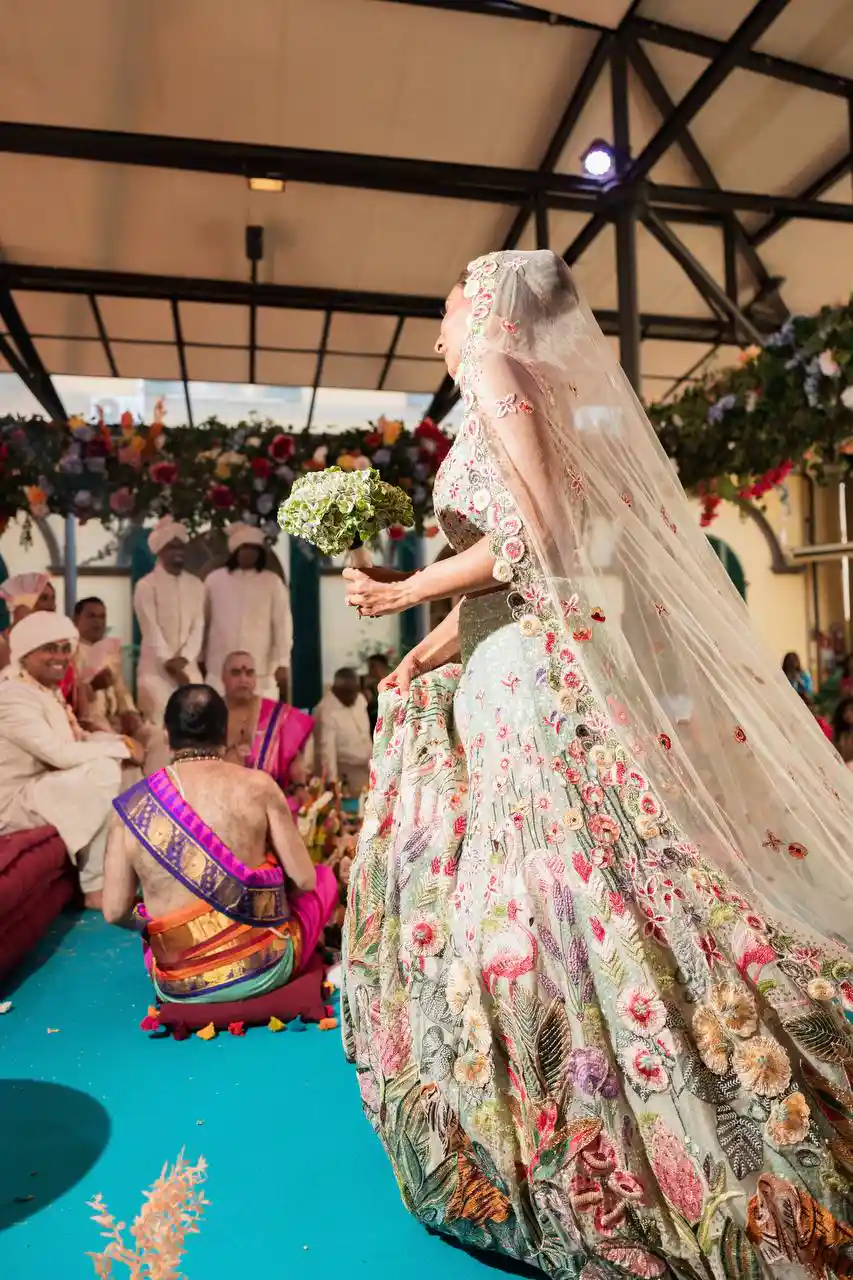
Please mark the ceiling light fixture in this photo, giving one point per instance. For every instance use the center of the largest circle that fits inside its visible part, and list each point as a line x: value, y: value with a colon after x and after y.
x: 266, y: 184
x: 599, y: 160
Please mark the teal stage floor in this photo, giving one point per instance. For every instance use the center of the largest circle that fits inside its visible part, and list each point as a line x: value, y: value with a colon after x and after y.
x: 298, y: 1184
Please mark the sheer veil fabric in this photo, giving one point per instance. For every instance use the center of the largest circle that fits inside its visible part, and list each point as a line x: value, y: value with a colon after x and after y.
x: 609, y: 557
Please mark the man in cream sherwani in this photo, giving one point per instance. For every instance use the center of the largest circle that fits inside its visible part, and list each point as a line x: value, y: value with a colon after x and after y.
x: 52, y: 773
x: 169, y: 605
x: 248, y: 611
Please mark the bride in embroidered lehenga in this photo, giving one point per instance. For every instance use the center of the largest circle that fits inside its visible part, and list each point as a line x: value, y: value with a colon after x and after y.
x: 596, y: 959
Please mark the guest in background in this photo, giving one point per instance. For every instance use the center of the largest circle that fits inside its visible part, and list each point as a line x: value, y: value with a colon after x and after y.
x: 27, y: 593
x: 845, y: 684
x: 378, y: 668
x: 842, y: 729
x: 344, y: 743
x: 169, y: 605
x: 793, y: 669
x: 110, y: 707
x: 248, y: 609
x: 263, y: 734
x: 52, y: 773
x: 825, y: 726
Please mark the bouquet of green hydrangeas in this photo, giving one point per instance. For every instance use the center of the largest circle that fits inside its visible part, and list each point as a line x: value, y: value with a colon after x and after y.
x: 336, y: 510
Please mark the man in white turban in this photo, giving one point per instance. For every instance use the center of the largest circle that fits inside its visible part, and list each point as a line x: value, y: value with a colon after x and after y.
x: 52, y: 773
x: 248, y: 610
x: 169, y: 605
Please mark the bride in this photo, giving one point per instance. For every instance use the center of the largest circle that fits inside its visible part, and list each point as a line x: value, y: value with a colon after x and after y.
x: 597, y: 970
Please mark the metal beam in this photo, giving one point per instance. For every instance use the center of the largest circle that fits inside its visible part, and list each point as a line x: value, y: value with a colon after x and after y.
x: 103, y: 335
x: 182, y: 359
x: 756, y: 22
x: 665, y: 106
x: 318, y: 372
x: 391, y: 352
x: 724, y: 202
x: 701, y: 279
x: 763, y: 64
x: 504, y: 9
x: 38, y: 380
x: 626, y: 223
x: 578, y: 100
x: 660, y: 33
x: 485, y: 183
x: 813, y: 191
x: 126, y: 284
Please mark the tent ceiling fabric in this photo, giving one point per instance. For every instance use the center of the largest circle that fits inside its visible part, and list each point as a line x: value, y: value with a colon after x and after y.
x: 382, y: 78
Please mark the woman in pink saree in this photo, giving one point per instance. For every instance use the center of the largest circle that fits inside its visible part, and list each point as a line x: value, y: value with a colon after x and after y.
x: 263, y: 734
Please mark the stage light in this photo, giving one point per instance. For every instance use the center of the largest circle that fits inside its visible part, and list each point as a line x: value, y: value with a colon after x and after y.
x: 266, y: 184
x: 598, y: 160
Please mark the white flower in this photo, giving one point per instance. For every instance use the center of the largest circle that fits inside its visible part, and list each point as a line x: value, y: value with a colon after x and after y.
x: 751, y: 401
x: 502, y: 571
x: 460, y: 985
x: 820, y: 989
x: 829, y: 366
x: 476, y: 1028
x: 530, y: 625
x: 473, y: 1069
x: 847, y: 397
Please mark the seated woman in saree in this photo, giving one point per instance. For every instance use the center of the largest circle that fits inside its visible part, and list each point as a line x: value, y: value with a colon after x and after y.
x: 597, y: 950
x: 263, y: 733
x: 233, y: 906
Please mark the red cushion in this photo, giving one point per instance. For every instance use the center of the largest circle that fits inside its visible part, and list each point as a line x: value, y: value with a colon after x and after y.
x: 29, y: 860
x: 302, y: 997
x: 21, y: 932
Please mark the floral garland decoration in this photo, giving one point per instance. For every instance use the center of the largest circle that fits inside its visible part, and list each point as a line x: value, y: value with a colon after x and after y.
x: 741, y: 432
x: 205, y: 476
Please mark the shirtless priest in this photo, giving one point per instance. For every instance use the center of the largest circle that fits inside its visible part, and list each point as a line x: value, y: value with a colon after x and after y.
x: 233, y: 904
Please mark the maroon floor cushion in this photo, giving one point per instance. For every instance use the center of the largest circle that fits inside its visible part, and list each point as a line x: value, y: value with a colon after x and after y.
x: 36, y: 882
x: 300, y: 998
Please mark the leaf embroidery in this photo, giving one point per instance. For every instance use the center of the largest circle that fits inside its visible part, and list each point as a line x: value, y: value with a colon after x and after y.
x: 740, y: 1139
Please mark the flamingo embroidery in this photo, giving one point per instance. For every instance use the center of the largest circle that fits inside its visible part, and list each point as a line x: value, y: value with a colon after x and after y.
x: 513, y: 954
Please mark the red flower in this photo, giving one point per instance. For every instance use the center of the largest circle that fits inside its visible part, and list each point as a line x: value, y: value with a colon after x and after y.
x: 222, y: 497
x: 282, y: 448
x: 396, y: 532
x: 665, y: 740
x: 740, y: 736
x: 460, y: 826
x: 150, y: 1023
x: 372, y: 440
x: 237, y: 1028
x: 597, y: 927
x: 712, y: 952
x: 164, y: 473
x: 261, y: 468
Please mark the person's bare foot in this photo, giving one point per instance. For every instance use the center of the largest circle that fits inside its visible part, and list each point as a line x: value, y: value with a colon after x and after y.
x: 94, y: 901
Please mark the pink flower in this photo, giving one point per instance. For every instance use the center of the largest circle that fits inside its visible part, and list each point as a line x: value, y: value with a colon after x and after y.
x: 674, y: 1170
x: 597, y: 928
x: 603, y: 829
x: 646, y: 1067
x: 395, y: 1045
x: 643, y: 1010
x: 592, y: 795
x: 460, y: 826
x: 426, y: 935
x: 121, y: 502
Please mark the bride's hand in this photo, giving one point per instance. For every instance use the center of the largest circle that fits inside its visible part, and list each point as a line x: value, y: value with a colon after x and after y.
x: 374, y: 599
x: 404, y: 673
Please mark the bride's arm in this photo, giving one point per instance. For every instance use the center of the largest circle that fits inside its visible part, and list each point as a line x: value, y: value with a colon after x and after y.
x: 468, y: 572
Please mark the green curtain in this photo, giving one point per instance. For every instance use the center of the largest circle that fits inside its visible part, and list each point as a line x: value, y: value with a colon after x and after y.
x: 307, y: 662
x: 409, y: 556
x: 730, y: 563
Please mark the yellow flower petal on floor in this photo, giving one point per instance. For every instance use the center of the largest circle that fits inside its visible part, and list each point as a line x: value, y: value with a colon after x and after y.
x: 207, y: 1033
x: 276, y: 1024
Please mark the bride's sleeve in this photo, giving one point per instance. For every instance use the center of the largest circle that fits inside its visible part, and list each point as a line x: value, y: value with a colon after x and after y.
x: 543, y: 488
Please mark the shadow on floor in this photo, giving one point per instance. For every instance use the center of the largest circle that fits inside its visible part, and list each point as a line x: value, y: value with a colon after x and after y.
x: 51, y: 1137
